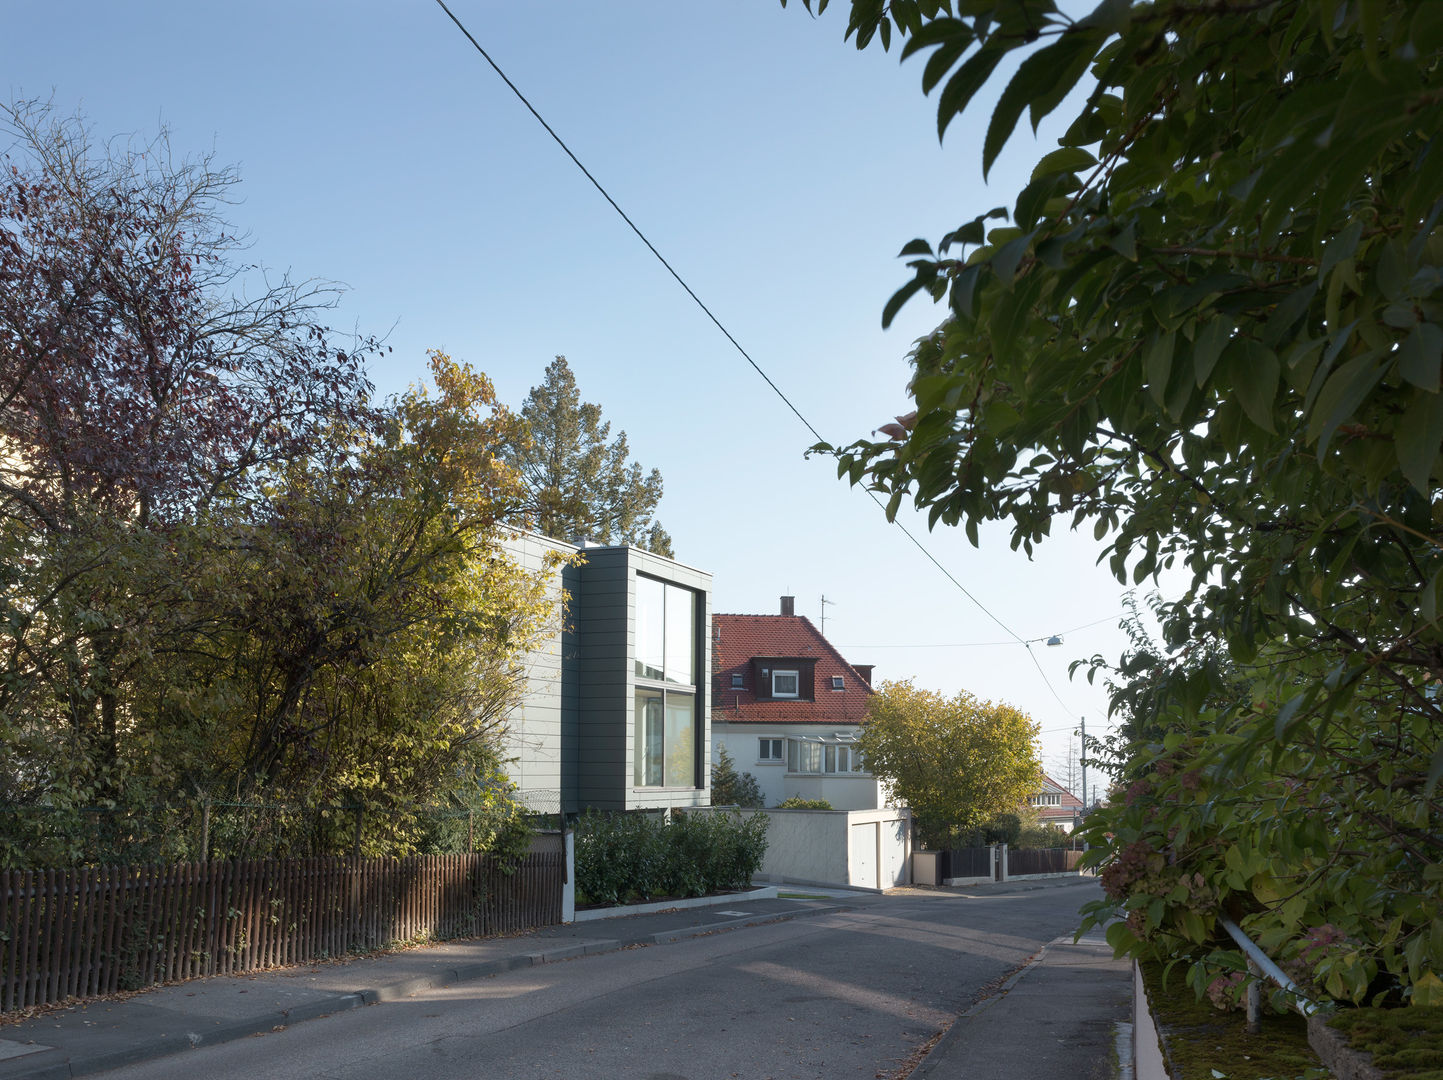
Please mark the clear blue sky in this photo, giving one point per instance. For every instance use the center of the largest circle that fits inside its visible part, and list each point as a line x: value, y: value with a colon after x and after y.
x: 775, y: 167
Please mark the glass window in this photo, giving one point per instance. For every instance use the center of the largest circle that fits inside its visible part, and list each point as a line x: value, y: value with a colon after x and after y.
x: 808, y: 757
x: 680, y: 740
x: 680, y: 635
x: 769, y: 749
x: 650, y: 736
x: 736, y: 682
x: 837, y: 683
x: 665, y: 739
x: 784, y: 684
x: 650, y: 627
x: 665, y: 632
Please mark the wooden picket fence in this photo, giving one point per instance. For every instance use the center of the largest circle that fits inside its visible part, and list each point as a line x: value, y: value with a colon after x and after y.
x: 78, y: 933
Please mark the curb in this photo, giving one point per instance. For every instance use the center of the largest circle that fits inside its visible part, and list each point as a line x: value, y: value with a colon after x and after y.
x: 263, y: 1023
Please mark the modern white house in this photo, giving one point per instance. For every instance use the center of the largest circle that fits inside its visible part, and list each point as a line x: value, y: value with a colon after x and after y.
x: 788, y: 708
x: 616, y: 710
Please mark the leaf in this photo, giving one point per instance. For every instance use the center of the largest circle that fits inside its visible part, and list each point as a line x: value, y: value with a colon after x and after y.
x: 1340, y: 247
x: 1208, y: 346
x: 941, y: 61
x: 902, y: 295
x: 1004, y: 263
x: 963, y: 287
x: 962, y: 86
x: 1421, y: 356
x: 1286, y: 714
x: 1071, y: 56
x: 1344, y: 391
x: 1417, y: 440
x: 1254, y: 371
x: 916, y: 247
x: 1157, y: 365
x: 1067, y: 160
x: 1125, y: 242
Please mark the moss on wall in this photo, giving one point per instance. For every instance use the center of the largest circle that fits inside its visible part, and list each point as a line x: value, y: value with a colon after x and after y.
x: 1202, y: 1043
x: 1405, y: 1043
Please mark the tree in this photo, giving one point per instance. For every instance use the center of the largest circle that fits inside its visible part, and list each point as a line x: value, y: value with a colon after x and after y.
x: 957, y: 762
x: 731, y: 788
x: 223, y: 570
x: 580, y: 484
x: 1211, y: 330
x: 136, y: 389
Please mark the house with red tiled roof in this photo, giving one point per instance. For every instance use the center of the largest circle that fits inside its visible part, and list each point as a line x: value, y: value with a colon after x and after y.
x: 1055, y: 805
x: 788, y: 708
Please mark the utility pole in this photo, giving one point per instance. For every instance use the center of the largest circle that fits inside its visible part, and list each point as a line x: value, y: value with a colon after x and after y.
x: 1083, y: 722
x: 825, y: 602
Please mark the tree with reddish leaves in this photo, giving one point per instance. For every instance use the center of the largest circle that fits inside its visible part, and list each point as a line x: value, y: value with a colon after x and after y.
x: 135, y: 374
x: 142, y: 389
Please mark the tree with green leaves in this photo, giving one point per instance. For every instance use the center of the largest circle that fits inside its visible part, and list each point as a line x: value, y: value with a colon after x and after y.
x: 580, y: 484
x: 1210, y: 328
x: 957, y: 762
x: 731, y: 788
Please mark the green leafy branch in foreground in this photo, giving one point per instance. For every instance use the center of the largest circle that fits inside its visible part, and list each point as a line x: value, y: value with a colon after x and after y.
x: 1209, y: 327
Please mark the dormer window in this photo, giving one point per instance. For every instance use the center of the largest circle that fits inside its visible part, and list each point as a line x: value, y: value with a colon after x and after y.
x: 785, y: 684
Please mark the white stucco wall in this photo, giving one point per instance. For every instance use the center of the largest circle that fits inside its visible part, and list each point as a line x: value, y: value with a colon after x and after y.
x: 868, y: 849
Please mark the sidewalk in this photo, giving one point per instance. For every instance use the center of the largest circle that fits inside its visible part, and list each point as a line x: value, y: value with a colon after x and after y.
x: 106, y: 1034
x: 1067, y: 1013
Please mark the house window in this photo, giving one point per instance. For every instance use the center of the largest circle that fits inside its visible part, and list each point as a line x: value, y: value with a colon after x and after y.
x: 785, y: 684
x: 1046, y: 800
x: 819, y: 756
x: 837, y: 683
x: 665, y: 632
x: 769, y: 749
x: 664, y: 743
x: 737, y: 681
x: 665, y: 739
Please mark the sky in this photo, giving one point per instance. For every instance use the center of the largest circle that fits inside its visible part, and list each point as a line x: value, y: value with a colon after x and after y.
x: 777, y: 169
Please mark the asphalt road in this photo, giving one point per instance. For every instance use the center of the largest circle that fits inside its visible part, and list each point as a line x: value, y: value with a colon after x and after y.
x: 850, y: 994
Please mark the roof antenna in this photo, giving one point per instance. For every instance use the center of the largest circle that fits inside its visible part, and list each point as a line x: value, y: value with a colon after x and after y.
x: 825, y: 602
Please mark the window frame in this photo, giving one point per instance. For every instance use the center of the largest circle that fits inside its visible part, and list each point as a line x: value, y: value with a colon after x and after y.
x: 796, y: 676
x: 664, y: 683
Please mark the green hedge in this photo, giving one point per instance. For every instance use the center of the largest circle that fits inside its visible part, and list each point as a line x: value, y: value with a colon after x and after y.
x: 621, y: 858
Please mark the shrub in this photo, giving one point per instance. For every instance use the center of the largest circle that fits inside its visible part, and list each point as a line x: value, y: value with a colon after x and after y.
x: 796, y: 802
x: 1043, y: 836
x: 638, y: 856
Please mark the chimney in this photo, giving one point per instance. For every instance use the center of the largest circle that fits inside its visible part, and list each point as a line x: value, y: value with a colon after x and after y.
x: 789, y: 605
x: 865, y: 670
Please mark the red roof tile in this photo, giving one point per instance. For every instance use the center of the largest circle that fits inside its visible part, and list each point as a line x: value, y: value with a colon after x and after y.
x: 737, y: 639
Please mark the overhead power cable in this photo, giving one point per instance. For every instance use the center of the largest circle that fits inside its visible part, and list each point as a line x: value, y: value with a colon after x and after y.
x: 728, y: 335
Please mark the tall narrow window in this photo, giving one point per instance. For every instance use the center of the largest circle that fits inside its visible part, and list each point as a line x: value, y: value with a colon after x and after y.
x: 650, y: 739
x: 664, y: 742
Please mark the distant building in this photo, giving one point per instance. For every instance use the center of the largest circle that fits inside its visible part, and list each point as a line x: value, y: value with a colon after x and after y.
x: 788, y: 708
x: 1055, y: 805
